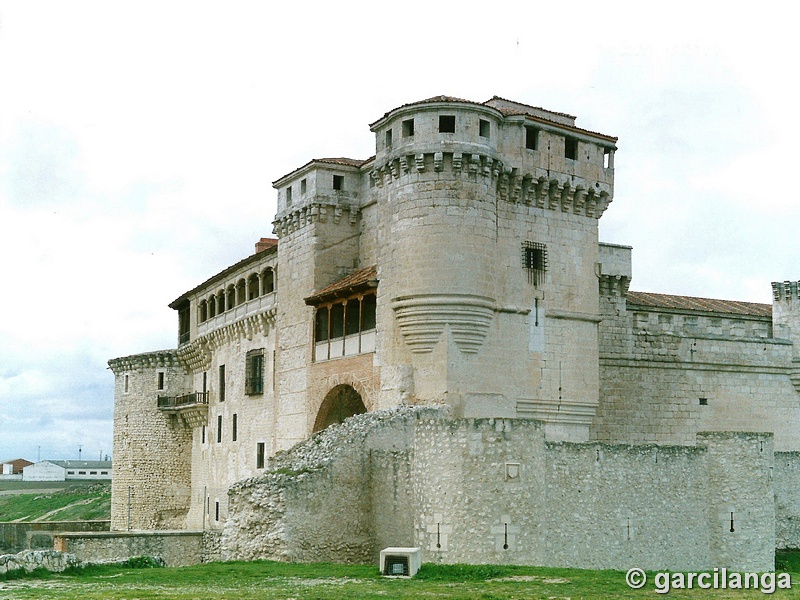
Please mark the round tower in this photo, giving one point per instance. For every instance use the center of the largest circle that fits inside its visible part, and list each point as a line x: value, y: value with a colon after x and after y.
x: 437, y: 165
x: 488, y: 258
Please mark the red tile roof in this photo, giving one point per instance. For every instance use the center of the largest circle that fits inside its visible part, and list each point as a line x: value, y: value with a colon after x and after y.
x: 341, y: 161
x: 355, y: 282
x: 730, y: 307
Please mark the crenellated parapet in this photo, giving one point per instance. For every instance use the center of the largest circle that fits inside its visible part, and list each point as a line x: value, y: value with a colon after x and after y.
x: 314, y: 212
x: 614, y: 286
x: 539, y: 189
x: 785, y: 291
x: 160, y: 359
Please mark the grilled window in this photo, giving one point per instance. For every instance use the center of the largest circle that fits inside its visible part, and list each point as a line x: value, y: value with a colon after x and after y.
x: 534, y: 259
x: 254, y: 372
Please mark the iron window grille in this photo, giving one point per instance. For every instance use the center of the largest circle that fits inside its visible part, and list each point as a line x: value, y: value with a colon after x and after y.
x: 534, y: 259
x: 254, y: 373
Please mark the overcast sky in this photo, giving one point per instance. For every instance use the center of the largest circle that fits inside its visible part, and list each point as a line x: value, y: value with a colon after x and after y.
x: 139, y: 140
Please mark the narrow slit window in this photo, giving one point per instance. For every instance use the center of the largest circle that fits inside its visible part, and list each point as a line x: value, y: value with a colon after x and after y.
x: 260, y: 455
x: 388, y: 138
x: 161, y: 380
x: 234, y: 427
x: 288, y: 196
x: 447, y: 123
x: 219, y: 429
x: 534, y: 260
x: 222, y: 383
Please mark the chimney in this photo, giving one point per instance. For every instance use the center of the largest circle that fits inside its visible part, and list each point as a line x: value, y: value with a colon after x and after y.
x: 265, y: 243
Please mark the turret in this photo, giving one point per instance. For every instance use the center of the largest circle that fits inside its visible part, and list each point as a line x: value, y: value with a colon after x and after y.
x: 487, y: 257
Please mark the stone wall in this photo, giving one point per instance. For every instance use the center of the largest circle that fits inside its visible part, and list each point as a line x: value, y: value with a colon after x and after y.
x: 152, y: 450
x: 663, y: 379
x: 37, y: 559
x: 786, y: 480
x: 176, y: 548
x: 493, y: 491
x: 15, y: 536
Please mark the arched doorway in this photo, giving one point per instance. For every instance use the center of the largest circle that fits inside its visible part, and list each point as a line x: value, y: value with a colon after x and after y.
x: 341, y: 402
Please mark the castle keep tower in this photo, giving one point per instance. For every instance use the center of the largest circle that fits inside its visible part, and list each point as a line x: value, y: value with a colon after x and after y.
x: 487, y: 258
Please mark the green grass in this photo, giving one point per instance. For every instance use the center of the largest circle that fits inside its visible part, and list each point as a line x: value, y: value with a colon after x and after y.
x: 267, y: 580
x: 90, y: 502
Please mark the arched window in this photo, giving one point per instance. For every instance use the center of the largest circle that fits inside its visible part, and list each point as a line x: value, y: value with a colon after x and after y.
x: 268, y: 279
x: 252, y: 286
x: 241, y: 292
x: 212, y: 306
x: 203, y: 311
x: 220, y: 302
x: 231, y: 297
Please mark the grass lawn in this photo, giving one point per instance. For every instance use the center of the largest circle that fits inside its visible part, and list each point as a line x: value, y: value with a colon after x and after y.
x: 75, y: 502
x: 261, y: 580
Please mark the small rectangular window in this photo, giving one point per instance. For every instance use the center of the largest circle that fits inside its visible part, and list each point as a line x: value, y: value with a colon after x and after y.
x: 260, y: 455
x: 160, y: 378
x: 352, y: 317
x: 534, y: 260
x: 127, y: 383
x: 447, y: 124
x: 703, y: 401
x: 81, y: 472
x: 302, y: 187
x: 321, y: 325
x: 368, y: 312
x: 388, y: 138
x: 103, y: 472
x: 235, y: 428
x: 408, y: 128
x: 484, y: 128
x: 531, y: 138
x: 216, y: 510
x: 203, y: 435
x: 570, y: 148
x: 92, y: 472
x: 222, y: 383
x: 70, y: 472
x: 337, y: 321
x: 606, y: 157
x: 288, y: 196
x: 219, y: 429
x: 338, y: 182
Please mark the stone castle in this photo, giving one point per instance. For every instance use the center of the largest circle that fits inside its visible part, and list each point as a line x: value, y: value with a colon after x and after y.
x: 521, y: 404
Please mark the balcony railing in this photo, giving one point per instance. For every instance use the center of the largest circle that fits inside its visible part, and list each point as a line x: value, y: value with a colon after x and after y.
x: 174, y: 402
